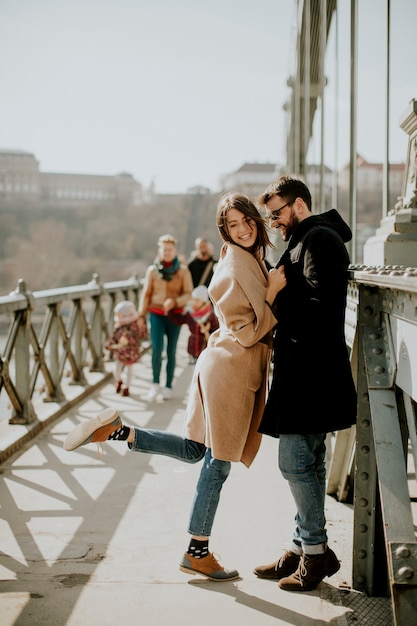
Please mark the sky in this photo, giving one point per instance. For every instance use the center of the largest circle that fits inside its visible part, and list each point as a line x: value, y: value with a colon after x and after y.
x: 371, y: 80
x: 180, y: 92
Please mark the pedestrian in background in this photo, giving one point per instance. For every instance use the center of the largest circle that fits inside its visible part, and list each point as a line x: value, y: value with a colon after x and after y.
x: 167, y: 287
x: 312, y: 391
x: 200, y: 319
x: 125, y: 343
x: 202, y: 263
x: 227, y: 394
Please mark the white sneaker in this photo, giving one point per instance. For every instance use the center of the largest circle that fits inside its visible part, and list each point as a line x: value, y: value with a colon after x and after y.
x: 153, y: 391
x: 167, y: 393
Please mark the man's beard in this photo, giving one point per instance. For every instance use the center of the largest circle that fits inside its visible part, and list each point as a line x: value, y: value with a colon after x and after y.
x: 290, y: 227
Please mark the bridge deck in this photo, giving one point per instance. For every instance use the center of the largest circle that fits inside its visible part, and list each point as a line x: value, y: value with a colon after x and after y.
x: 97, y: 540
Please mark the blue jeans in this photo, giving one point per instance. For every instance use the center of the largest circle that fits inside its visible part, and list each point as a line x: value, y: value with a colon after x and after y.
x: 162, y: 326
x: 302, y: 464
x: 212, y: 476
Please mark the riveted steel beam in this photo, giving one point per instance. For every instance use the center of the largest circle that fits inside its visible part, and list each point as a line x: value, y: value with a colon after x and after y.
x: 386, y: 329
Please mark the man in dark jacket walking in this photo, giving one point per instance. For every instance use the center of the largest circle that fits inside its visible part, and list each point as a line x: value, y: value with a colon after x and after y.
x: 312, y: 391
x: 202, y: 263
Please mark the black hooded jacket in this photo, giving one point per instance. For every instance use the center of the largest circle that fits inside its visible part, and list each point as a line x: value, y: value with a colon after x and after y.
x: 312, y: 389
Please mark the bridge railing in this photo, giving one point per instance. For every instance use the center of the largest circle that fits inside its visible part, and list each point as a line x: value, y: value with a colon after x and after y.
x: 60, y: 334
x: 378, y: 457
x: 54, y: 340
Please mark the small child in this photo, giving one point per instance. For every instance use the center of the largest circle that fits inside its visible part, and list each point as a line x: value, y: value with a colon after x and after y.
x: 125, y: 343
x: 201, y: 320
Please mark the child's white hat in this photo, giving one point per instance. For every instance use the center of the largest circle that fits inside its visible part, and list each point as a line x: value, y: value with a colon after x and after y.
x: 200, y: 293
x: 125, y: 312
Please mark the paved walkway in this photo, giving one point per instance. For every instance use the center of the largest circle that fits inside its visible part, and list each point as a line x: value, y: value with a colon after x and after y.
x: 88, y: 540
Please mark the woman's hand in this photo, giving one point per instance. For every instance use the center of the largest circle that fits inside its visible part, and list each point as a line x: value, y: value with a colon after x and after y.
x: 276, y: 282
x: 169, y: 304
x: 142, y: 324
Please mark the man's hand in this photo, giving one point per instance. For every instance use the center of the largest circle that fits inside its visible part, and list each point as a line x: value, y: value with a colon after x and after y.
x: 276, y: 282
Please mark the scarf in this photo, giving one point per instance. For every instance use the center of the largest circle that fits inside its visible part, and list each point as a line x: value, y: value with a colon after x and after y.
x: 201, y: 315
x: 167, y: 271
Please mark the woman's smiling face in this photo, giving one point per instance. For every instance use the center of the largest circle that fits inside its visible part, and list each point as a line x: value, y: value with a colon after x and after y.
x: 242, y: 229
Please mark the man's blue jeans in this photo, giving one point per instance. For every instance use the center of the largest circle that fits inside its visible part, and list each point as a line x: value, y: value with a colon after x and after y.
x: 212, y: 476
x: 302, y: 464
x: 161, y: 325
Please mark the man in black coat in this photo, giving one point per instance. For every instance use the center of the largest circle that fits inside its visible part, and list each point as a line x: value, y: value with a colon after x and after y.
x: 312, y: 391
x: 202, y: 263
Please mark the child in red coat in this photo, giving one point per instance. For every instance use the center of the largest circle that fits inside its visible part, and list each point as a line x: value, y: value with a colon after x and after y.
x: 201, y: 320
x: 125, y: 343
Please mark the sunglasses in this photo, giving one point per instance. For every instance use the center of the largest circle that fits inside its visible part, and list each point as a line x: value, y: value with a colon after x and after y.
x: 275, y: 214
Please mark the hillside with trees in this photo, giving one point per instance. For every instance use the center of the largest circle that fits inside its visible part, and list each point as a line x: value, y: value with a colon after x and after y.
x: 55, y: 247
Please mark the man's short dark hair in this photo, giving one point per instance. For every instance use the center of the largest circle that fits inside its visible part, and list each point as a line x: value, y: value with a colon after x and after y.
x: 288, y: 188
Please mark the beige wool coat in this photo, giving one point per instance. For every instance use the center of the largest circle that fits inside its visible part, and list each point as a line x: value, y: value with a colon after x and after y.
x: 228, y: 391
x: 156, y: 290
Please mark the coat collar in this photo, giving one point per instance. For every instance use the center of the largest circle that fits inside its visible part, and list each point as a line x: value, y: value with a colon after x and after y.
x: 240, y: 259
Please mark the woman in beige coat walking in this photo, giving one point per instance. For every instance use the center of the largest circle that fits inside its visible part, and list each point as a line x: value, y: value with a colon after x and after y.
x: 229, y: 385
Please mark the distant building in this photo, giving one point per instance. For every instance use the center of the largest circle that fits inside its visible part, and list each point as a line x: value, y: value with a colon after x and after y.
x: 369, y: 184
x: 314, y: 174
x: 251, y: 178
x: 21, y: 178
x: 369, y: 176
x: 19, y: 174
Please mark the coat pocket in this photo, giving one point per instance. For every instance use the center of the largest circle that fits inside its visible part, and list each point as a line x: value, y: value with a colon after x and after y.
x: 256, y: 366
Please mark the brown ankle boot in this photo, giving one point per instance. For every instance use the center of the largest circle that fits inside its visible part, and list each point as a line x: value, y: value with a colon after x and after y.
x: 311, y: 571
x: 285, y: 566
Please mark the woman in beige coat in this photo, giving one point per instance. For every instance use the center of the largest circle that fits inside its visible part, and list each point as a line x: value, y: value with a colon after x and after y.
x: 167, y: 287
x: 229, y: 384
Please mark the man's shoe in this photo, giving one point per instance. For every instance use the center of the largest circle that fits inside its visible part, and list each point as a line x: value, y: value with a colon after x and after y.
x: 95, y: 430
x: 153, y: 391
x: 167, y: 393
x: 285, y: 566
x: 125, y: 392
x: 207, y: 566
x: 311, y: 571
x: 118, y: 386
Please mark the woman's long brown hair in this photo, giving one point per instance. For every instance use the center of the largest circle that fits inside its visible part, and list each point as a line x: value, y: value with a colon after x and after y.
x: 243, y: 204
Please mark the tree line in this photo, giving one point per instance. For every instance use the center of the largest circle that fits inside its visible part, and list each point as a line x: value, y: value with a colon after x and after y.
x: 55, y: 246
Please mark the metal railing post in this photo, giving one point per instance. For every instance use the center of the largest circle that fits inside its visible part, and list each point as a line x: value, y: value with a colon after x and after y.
x: 26, y: 414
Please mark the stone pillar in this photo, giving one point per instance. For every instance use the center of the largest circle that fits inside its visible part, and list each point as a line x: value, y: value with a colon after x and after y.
x: 395, y: 242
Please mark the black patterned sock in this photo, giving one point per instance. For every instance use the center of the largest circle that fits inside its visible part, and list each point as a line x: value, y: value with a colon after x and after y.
x: 121, y: 434
x: 198, y: 549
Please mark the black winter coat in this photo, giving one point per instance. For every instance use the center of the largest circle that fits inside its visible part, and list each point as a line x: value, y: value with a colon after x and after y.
x: 312, y: 389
